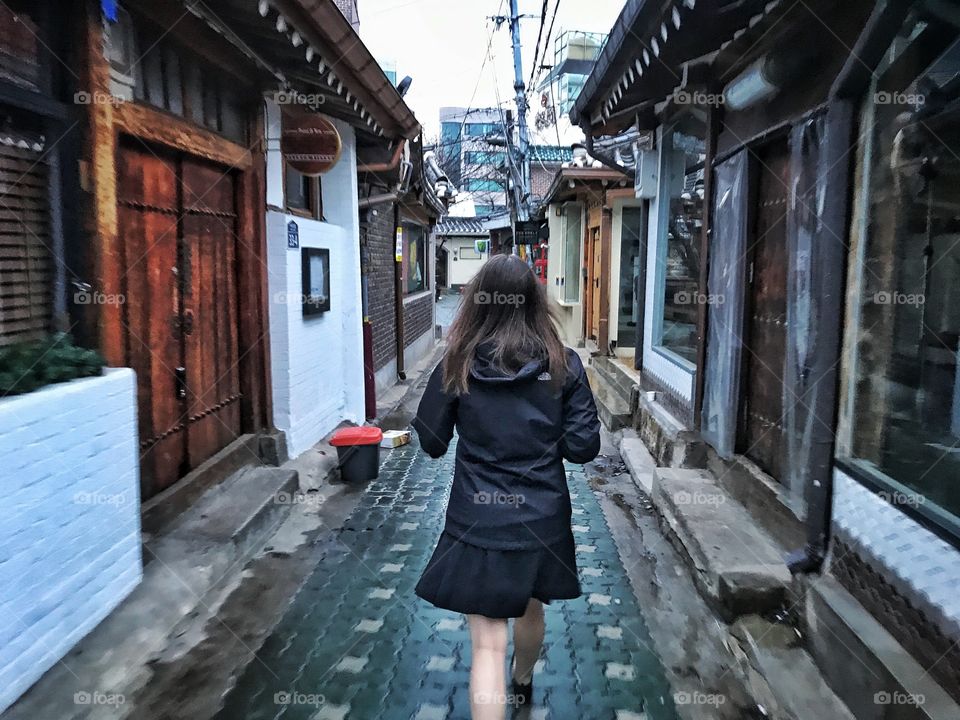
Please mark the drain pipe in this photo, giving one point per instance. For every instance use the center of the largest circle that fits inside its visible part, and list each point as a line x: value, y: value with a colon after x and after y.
x: 398, y: 291
x: 600, y: 155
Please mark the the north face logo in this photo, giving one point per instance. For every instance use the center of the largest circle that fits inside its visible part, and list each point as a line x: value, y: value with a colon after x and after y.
x: 544, y: 376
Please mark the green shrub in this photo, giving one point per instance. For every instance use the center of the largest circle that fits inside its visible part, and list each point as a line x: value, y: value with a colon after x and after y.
x: 24, y: 367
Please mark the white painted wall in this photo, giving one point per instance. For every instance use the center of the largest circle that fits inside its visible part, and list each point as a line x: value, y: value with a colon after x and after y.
x: 70, y: 519
x: 316, y: 362
x: 658, y: 362
x: 460, y: 270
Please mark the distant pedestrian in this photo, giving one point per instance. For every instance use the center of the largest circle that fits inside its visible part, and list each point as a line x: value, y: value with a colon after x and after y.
x: 521, y: 404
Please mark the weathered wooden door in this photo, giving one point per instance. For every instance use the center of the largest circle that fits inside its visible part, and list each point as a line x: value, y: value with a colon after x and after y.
x: 596, y: 265
x: 177, y: 223
x: 766, y: 337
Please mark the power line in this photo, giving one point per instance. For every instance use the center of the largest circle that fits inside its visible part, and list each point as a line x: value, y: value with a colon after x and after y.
x: 536, y: 50
x: 486, y: 57
x: 546, y: 44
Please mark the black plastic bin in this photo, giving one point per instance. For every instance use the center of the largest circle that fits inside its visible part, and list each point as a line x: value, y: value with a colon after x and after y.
x: 358, y: 453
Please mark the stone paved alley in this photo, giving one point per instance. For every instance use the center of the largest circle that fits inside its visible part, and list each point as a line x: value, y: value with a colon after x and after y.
x: 357, y: 644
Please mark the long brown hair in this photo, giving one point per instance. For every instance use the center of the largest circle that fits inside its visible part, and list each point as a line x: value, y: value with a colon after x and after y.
x: 506, y: 308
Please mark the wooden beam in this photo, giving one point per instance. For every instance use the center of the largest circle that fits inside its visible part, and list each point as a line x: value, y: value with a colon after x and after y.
x: 606, y: 242
x: 107, y: 261
x: 151, y: 125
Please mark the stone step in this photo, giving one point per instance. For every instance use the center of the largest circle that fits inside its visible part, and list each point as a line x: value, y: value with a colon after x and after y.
x: 783, y: 678
x: 614, y: 411
x: 619, y: 377
x: 670, y: 443
x: 243, y: 510
x: 737, y: 567
x: 638, y: 460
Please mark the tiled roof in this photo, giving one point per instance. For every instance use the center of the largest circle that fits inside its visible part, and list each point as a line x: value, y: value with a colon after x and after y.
x: 460, y: 226
x: 551, y: 153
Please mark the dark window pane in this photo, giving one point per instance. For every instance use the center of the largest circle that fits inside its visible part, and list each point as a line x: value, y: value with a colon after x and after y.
x: 297, y: 190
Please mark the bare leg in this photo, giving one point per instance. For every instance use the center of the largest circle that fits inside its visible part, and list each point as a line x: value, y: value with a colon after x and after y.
x: 527, y: 641
x: 488, y: 639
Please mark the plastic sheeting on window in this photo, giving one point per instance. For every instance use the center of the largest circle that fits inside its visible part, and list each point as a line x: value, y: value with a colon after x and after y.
x: 725, y: 289
x: 816, y: 247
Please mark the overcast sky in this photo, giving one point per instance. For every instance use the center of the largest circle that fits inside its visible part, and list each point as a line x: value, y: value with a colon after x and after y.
x: 441, y: 44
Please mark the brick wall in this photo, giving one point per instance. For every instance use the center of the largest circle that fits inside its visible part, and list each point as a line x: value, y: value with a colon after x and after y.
x: 541, y: 179
x: 70, y: 520
x: 417, y: 318
x: 379, y: 248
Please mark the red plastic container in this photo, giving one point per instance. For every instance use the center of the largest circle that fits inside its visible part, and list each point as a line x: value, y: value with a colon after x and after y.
x: 358, y: 452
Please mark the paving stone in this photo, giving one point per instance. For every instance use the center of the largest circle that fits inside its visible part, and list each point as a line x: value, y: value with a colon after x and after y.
x: 357, y: 634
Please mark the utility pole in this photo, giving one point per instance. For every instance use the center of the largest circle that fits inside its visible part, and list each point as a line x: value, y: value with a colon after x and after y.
x: 523, y: 212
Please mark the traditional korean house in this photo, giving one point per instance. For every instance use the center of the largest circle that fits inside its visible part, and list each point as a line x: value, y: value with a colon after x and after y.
x: 798, y: 337
x: 463, y: 246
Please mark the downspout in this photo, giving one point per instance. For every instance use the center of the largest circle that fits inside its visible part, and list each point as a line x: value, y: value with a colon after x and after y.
x: 398, y: 295
x: 600, y: 155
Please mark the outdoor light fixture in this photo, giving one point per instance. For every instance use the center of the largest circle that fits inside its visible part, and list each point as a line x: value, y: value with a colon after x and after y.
x: 751, y: 86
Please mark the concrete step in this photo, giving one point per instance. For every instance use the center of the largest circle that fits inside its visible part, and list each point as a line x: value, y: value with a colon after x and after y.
x: 670, y: 443
x: 623, y: 381
x: 737, y: 567
x: 782, y: 677
x: 614, y: 411
x: 638, y: 460
x: 243, y: 510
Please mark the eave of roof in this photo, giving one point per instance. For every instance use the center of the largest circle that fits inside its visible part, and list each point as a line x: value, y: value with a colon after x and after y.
x: 318, y: 51
x: 582, y: 175
x: 643, y: 60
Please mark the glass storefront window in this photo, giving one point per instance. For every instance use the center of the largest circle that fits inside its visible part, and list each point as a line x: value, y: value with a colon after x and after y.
x: 572, y: 239
x: 678, y: 252
x: 905, y: 393
x: 628, y: 316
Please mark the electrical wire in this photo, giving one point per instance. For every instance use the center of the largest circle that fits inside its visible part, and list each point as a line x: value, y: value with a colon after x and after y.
x: 536, y: 50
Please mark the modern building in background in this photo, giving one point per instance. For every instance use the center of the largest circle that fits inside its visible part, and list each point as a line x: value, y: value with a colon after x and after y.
x: 470, y: 161
x: 575, y: 53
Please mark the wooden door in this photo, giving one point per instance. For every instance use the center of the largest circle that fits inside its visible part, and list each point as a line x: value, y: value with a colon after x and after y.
x: 210, y: 313
x: 766, y: 337
x: 177, y: 221
x: 596, y: 265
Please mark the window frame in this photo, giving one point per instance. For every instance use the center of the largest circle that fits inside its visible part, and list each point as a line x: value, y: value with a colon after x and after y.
x: 422, y: 259
x: 661, y: 256
x: 314, y: 211
x: 578, y: 269
x: 937, y: 520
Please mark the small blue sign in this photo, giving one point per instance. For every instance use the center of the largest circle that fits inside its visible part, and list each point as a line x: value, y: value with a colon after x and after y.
x: 109, y: 8
x: 293, y: 235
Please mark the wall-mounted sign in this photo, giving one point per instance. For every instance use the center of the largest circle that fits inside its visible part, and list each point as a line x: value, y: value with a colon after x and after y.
x: 399, y: 247
x: 315, y: 267
x: 309, y: 141
x: 293, y: 235
x: 481, y: 246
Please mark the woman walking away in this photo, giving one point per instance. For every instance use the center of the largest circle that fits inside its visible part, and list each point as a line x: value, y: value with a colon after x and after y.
x: 521, y: 405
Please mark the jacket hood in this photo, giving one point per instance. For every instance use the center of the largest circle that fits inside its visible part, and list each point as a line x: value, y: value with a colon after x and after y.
x: 487, y: 371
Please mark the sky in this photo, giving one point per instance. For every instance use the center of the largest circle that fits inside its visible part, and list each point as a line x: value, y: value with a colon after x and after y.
x: 441, y: 44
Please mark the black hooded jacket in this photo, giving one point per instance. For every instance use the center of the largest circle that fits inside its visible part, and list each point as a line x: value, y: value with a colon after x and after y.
x: 515, y: 430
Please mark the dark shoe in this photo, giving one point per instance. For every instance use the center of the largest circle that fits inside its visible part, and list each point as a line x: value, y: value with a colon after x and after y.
x: 522, y: 694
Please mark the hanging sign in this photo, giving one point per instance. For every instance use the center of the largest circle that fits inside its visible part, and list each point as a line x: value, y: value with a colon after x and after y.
x: 309, y: 141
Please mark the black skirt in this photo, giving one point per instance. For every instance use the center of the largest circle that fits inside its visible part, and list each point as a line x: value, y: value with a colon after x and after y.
x: 473, y: 580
